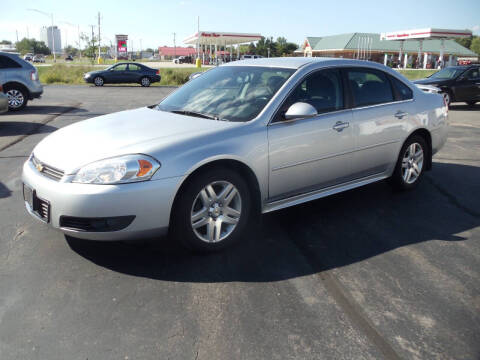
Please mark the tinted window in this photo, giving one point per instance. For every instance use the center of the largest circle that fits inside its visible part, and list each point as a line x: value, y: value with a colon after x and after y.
x: 133, y: 67
x: 472, y: 74
x: 7, y: 63
x: 323, y: 90
x: 121, y: 67
x: 403, y: 92
x: 369, y: 87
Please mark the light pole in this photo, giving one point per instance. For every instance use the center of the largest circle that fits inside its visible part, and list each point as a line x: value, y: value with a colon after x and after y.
x: 53, y: 36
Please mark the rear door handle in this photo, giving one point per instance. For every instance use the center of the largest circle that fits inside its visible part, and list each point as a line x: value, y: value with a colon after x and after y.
x: 339, y: 126
x: 400, y: 114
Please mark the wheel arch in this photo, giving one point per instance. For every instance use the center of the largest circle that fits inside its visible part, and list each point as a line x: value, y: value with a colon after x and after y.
x: 10, y: 84
x: 229, y: 163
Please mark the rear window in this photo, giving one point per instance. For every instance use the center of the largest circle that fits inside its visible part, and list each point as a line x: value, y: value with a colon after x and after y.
x: 7, y: 63
x: 403, y: 92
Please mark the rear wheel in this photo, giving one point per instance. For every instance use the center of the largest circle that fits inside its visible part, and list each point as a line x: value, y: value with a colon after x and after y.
x: 17, y: 97
x: 98, y: 81
x: 212, y: 211
x: 145, y: 81
x: 410, y: 164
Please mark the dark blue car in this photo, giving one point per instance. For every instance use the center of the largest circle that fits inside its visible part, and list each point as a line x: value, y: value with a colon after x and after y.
x: 123, y: 73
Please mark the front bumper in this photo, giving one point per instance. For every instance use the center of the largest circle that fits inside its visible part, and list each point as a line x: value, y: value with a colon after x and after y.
x: 149, y: 201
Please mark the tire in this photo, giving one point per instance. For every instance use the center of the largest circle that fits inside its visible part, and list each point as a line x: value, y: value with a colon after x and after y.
x: 409, y: 168
x: 17, y: 97
x: 447, y: 95
x: 98, y: 81
x: 145, y: 81
x: 201, y: 221
x: 471, y: 103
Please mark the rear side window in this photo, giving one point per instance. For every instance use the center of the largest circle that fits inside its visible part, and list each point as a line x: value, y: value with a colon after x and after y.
x: 133, y: 67
x: 7, y: 63
x: 369, y: 87
x: 403, y: 92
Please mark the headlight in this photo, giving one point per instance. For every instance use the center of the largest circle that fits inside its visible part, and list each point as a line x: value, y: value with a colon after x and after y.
x: 87, y: 75
x: 118, y: 170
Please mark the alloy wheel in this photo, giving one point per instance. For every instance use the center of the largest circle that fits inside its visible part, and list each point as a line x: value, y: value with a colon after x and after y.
x: 446, y: 96
x: 98, y: 81
x: 412, y: 163
x: 216, y: 211
x: 145, y: 81
x: 15, y: 98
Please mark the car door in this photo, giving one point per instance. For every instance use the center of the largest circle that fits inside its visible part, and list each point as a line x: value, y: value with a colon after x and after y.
x: 467, y: 86
x: 117, y: 74
x: 134, y: 73
x: 381, y: 106
x: 311, y: 153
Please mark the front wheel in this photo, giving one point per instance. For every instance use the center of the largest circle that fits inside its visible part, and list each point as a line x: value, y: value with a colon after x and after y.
x: 212, y: 211
x: 145, y: 82
x: 410, y: 164
x: 98, y: 81
x: 448, y: 97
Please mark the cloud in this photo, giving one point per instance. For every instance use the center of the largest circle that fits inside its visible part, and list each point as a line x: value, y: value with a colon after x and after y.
x: 475, y: 28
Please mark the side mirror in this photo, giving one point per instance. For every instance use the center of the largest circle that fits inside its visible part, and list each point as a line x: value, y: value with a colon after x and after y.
x: 300, y: 110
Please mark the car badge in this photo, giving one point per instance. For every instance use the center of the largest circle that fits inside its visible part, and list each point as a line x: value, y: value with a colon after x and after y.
x: 39, y: 167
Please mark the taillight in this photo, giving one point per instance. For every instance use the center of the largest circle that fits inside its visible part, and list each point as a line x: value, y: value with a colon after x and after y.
x: 157, y: 72
x: 34, y: 75
x: 1, y: 88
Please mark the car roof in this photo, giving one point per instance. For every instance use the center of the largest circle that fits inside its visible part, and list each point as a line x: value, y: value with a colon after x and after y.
x: 298, y: 62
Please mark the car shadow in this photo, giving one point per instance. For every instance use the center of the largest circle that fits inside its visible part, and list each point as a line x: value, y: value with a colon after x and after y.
x: 4, y: 191
x: 464, y: 107
x: 311, y: 238
x: 45, y: 110
x: 12, y: 128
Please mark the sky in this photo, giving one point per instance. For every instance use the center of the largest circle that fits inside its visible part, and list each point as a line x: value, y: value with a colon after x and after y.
x: 152, y: 23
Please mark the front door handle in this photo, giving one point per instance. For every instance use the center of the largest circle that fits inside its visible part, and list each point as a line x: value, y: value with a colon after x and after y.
x: 339, y: 126
x: 400, y: 114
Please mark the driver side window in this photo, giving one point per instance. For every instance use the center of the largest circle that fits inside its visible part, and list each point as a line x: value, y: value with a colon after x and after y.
x: 323, y: 90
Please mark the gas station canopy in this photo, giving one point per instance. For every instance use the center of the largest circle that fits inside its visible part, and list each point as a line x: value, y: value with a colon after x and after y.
x: 220, y: 38
x: 428, y: 33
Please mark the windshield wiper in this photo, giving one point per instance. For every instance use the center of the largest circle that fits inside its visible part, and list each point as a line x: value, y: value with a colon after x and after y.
x: 194, y: 113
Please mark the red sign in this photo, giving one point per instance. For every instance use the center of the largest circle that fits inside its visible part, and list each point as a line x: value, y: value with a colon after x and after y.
x: 122, y: 46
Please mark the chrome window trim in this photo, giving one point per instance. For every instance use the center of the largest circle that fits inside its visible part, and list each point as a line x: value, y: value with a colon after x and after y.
x: 382, y: 104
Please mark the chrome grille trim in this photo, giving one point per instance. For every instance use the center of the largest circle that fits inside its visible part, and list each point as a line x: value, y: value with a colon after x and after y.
x: 47, y: 170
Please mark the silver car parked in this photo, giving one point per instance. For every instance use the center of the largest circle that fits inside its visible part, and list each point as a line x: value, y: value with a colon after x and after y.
x: 247, y: 137
x: 19, y: 80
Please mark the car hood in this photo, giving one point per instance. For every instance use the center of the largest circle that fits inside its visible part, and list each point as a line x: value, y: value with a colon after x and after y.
x: 428, y: 81
x: 136, y: 131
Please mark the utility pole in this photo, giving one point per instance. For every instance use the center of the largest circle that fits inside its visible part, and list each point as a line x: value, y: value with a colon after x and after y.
x: 198, y: 37
x: 79, y: 46
x: 174, y: 46
x: 17, y: 35
x: 93, y: 41
x: 99, y: 46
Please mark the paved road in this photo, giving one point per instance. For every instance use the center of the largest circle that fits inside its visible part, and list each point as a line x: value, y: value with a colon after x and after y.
x: 368, y: 274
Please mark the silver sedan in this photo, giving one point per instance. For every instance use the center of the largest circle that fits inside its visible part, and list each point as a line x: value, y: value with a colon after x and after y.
x: 245, y: 138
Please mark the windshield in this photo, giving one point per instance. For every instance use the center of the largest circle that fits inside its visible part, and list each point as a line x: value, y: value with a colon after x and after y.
x: 230, y: 93
x: 447, y: 73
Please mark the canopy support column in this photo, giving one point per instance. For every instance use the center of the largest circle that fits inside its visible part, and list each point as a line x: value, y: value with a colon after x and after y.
x: 385, y: 59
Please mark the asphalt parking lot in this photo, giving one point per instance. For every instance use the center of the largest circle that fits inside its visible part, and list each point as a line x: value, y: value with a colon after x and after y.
x: 367, y: 274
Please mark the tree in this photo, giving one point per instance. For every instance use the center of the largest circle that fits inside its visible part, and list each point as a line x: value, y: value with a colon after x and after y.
x: 5, y: 42
x: 475, y: 46
x: 70, y: 50
x: 465, y: 42
x: 32, y: 46
x: 90, y: 47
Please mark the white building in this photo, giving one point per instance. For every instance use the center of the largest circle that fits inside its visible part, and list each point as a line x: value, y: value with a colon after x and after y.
x: 46, y: 37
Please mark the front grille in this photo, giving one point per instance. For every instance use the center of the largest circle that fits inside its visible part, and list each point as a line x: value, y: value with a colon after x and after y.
x: 47, y: 170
